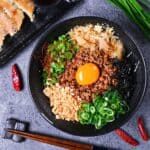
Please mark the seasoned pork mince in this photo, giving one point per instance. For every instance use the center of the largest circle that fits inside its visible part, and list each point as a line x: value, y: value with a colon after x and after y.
x: 104, y: 63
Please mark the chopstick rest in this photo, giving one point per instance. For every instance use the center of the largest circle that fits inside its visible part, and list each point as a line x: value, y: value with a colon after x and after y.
x: 12, y: 123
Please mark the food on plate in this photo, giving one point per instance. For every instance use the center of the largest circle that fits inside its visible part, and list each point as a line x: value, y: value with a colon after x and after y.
x: 12, y: 16
x: 81, y: 70
x: 26, y: 6
x: 7, y: 24
x: 3, y: 34
x: 13, y: 12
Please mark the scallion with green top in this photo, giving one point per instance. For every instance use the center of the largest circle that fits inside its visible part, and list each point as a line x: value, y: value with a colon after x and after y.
x: 134, y: 10
x: 103, y: 109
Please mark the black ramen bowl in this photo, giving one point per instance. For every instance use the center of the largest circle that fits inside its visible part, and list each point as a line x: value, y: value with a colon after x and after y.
x: 42, y: 102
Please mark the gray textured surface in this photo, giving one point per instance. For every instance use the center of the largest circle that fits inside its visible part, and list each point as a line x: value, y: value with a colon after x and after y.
x: 19, y: 105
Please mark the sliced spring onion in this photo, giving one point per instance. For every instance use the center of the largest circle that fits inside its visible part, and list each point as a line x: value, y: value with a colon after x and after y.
x: 92, y: 109
x: 98, y: 123
x: 60, y: 51
x: 103, y: 109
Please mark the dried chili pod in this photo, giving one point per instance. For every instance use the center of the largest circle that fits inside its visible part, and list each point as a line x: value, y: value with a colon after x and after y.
x: 16, y: 78
x: 126, y: 137
x: 142, y: 129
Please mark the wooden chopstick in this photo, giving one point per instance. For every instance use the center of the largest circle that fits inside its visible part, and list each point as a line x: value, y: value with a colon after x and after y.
x: 71, y: 145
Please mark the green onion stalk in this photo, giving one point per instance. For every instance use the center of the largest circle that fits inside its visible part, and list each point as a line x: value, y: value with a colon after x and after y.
x: 136, y: 12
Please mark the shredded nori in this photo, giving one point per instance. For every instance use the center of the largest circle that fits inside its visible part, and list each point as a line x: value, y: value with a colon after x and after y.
x: 126, y: 76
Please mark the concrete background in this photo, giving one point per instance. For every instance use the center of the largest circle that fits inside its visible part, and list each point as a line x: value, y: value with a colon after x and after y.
x: 20, y: 106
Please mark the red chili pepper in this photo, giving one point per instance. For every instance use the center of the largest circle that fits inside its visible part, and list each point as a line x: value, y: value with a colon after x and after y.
x: 16, y: 79
x: 126, y: 137
x: 142, y: 129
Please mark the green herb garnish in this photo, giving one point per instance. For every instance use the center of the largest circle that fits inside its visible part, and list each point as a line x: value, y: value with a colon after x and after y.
x: 134, y: 10
x: 61, y: 50
x: 103, y: 109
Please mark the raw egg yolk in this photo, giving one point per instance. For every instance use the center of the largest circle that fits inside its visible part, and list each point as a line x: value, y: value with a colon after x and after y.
x: 87, y: 74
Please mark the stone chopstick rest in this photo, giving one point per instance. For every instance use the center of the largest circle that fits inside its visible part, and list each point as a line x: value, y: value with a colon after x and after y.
x: 16, y: 125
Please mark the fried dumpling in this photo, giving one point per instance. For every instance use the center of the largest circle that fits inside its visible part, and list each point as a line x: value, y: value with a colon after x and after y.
x: 3, y: 33
x: 7, y: 23
x: 13, y: 12
x: 26, y: 6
